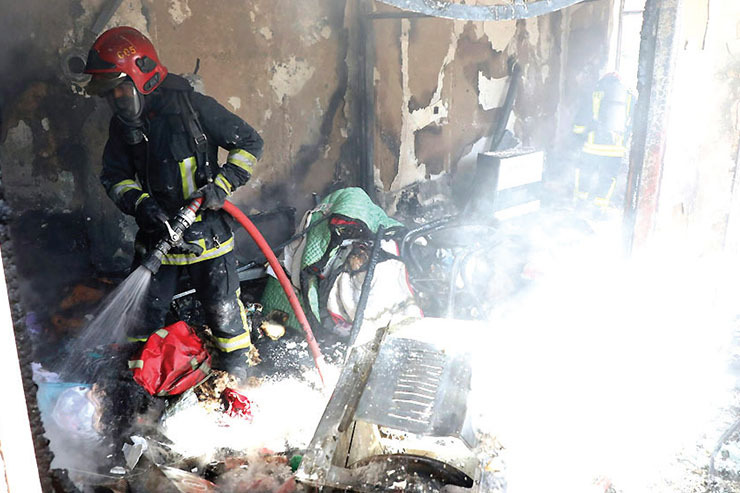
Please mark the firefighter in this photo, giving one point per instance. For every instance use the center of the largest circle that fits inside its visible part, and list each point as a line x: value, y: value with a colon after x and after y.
x: 603, y: 126
x: 161, y: 153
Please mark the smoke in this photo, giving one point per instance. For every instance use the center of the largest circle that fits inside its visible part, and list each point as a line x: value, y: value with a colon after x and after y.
x: 286, y: 412
x: 607, y: 368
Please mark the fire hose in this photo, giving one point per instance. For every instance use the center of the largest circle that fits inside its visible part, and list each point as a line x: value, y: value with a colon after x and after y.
x: 185, y: 218
x: 242, y: 219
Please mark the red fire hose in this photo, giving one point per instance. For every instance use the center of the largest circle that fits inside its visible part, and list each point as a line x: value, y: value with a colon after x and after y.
x: 284, y: 282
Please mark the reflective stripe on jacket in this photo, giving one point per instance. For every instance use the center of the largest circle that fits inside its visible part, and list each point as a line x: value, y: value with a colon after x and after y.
x: 606, y: 120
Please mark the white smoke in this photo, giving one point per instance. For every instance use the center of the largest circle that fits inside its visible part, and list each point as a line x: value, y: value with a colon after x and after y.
x: 607, y: 368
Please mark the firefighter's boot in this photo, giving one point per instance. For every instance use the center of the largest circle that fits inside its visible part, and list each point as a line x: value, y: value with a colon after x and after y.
x: 237, y: 363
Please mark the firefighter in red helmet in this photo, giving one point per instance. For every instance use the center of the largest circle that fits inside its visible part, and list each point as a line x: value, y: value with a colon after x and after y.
x: 162, y: 152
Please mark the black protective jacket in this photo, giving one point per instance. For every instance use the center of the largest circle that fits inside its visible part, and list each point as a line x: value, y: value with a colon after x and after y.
x: 164, y: 165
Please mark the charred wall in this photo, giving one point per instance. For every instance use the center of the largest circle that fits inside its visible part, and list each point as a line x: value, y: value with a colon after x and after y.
x: 440, y: 85
x: 279, y: 64
x: 292, y: 70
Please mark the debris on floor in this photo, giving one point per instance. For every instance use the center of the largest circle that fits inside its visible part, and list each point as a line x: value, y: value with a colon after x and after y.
x: 236, y: 404
x: 273, y: 326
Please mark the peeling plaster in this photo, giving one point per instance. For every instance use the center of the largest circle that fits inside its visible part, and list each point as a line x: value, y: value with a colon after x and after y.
x: 179, y: 11
x: 266, y: 33
x: 491, y: 92
x: 235, y: 102
x: 313, y: 32
x: 65, y: 188
x: 499, y: 33
x: 252, y: 16
x: 533, y: 32
x: 130, y: 13
x: 410, y: 169
x: 545, y: 72
x: 21, y: 136
x: 289, y: 77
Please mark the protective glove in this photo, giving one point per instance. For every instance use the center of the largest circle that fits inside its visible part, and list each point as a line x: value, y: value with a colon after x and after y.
x: 213, y: 196
x: 150, y: 217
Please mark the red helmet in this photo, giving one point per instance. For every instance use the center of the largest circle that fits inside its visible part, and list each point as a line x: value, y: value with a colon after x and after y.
x: 120, y: 52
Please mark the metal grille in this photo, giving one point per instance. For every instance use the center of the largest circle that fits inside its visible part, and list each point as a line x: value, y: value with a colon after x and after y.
x: 416, y: 388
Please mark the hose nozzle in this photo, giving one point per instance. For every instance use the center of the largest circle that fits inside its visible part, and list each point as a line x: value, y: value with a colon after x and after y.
x: 176, y: 226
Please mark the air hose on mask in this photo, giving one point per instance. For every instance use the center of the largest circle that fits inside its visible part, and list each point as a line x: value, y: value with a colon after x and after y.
x: 185, y: 218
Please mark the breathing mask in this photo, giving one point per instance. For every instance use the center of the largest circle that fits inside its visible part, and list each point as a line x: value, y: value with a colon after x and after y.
x: 128, y: 105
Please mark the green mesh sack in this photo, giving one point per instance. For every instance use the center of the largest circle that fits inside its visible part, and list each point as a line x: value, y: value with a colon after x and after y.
x: 349, y: 202
x: 273, y: 298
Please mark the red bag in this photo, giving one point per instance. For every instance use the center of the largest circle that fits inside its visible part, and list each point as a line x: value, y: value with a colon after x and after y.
x: 172, y: 360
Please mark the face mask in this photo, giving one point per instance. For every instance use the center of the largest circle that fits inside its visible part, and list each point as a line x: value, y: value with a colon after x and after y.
x: 128, y: 105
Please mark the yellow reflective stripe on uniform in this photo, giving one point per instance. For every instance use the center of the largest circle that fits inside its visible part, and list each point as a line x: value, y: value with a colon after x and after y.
x: 242, y: 311
x: 140, y: 199
x: 604, y: 149
x: 137, y: 339
x: 187, y: 175
x: 242, y: 159
x: 205, y: 368
x: 604, y: 201
x: 162, y: 333
x: 189, y: 258
x: 124, y: 186
x: 135, y: 363
x: 222, y: 182
x: 597, y: 97
x: 579, y: 129
x: 229, y: 344
x: 201, y: 242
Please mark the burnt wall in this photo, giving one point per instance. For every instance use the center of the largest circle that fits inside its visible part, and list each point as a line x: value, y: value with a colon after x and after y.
x: 293, y: 71
x: 440, y: 85
x: 279, y: 64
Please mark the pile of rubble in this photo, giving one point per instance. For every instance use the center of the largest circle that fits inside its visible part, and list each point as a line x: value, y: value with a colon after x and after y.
x: 218, y: 436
